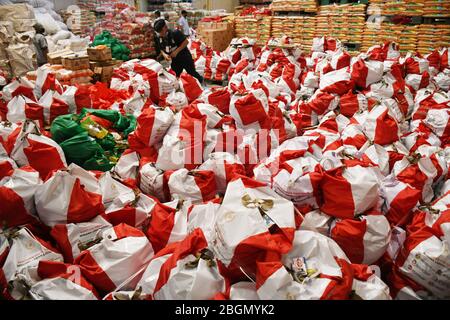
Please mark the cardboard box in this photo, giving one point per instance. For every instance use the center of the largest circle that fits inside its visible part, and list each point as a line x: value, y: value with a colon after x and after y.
x: 75, y: 62
x: 99, y: 53
x: 217, y: 39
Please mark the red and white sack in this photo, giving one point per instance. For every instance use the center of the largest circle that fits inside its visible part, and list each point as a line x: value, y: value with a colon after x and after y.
x: 191, y: 87
x: 218, y: 97
x: 365, y: 240
x: 418, y: 174
x: 225, y: 167
x: 442, y: 80
x: 203, y: 216
x: 46, y: 81
x: 196, y: 186
x: 399, y: 199
x: 426, y: 99
x: 17, y: 192
x: 314, y: 252
x: 184, y: 141
x: 25, y: 252
x: 438, y: 120
x: 178, y: 100
x: 181, y: 272
x: 421, y: 136
x: 251, y: 111
x: 152, y: 125
x: 68, y: 198
x: 243, y: 233
x: 20, y: 108
x: 325, y: 44
x: 424, y: 258
x: 7, y: 166
x: 338, y: 82
x: 415, y: 65
x: 351, y: 103
x: 349, y: 190
x: 76, y: 97
x: 53, y: 107
x: 61, y: 281
x: 224, y: 139
x: 366, y: 72
x: 214, y: 118
x: 340, y: 59
x: 418, y: 81
x: 73, y: 238
x: 353, y: 135
x: 39, y: 152
x: 243, y: 290
x: 310, y: 80
x: 403, y: 288
x: 123, y: 204
x: 316, y: 221
x: 127, y: 168
x: 323, y: 102
x: 298, y: 180
x: 169, y: 224
x: 386, y: 88
x: 152, y: 180
x: 381, y: 126
x: 118, y: 260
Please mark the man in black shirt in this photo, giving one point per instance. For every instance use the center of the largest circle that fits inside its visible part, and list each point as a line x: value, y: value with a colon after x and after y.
x: 172, y: 44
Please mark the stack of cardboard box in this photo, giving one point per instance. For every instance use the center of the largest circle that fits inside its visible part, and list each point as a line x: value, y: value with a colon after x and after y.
x: 102, y: 63
x: 217, y: 35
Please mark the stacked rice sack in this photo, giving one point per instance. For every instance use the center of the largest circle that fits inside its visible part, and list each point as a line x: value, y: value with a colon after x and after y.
x: 310, y: 176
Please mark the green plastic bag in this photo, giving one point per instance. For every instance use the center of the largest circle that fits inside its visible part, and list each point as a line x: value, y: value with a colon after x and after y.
x: 80, y: 148
x: 131, y: 127
x: 65, y: 127
x: 118, y: 50
x: 98, y: 162
x: 107, y: 143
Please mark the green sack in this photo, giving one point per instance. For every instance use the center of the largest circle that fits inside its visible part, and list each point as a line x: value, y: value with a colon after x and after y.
x: 107, y: 143
x: 80, y: 148
x: 98, y: 162
x: 122, y: 123
x: 65, y: 127
x: 131, y: 127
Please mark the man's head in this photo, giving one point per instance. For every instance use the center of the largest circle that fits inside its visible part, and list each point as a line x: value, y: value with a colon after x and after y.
x: 157, y: 14
x: 39, y: 28
x: 160, y: 27
x: 184, y: 13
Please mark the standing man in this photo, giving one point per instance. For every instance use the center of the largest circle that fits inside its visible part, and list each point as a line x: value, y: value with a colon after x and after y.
x: 40, y: 44
x: 183, y: 23
x: 157, y: 14
x: 172, y: 44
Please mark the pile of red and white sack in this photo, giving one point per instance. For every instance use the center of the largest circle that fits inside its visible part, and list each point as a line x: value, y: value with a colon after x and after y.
x: 311, y: 176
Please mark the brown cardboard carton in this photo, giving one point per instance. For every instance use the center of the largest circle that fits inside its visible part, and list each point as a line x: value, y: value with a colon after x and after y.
x: 75, y: 62
x: 99, y: 53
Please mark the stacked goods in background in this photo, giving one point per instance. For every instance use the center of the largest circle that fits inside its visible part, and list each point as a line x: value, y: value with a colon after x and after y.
x: 17, y: 52
x: 431, y: 36
x: 436, y: 8
x: 216, y: 35
x: 80, y: 22
x: 294, y: 5
x: 98, y: 5
x: 404, y: 35
x: 264, y: 25
x: 177, y: 6
x: 299, y: 28
x: 245, y: 26
x: 406, y: 7
x: 345, y: 22
x: 132, y: 28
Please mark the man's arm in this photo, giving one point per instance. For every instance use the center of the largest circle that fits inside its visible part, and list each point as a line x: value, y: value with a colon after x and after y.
x: 183, y: 45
